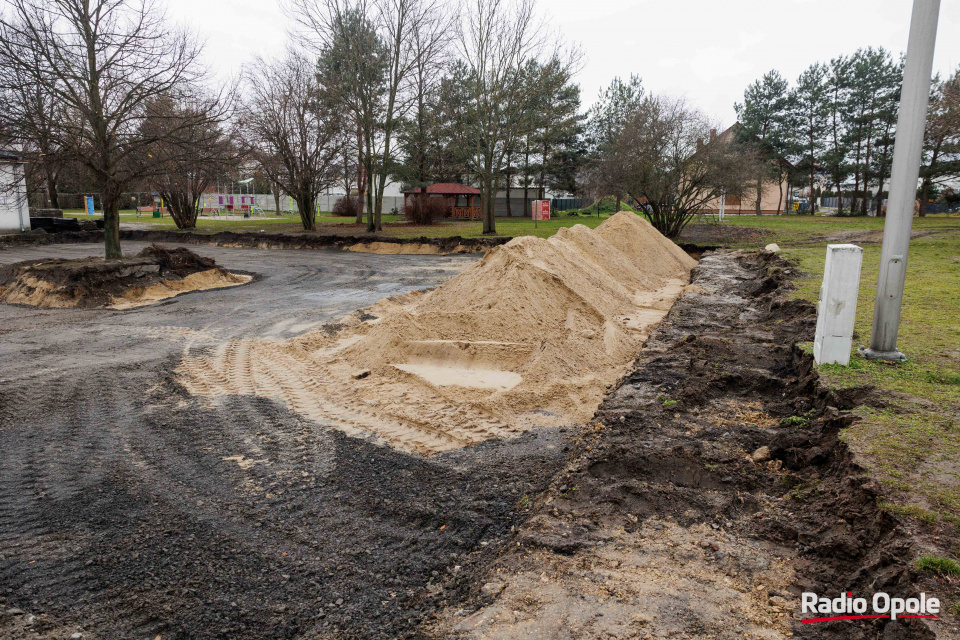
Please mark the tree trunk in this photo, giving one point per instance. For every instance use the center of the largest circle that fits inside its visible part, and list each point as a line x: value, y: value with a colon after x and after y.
x: 361, y: 177
x: 543, y: 170
x: 856, y: 183
x: 780, y: 198
x: 759, y: 193
x: 371, y: 223
x: 52, y: 192
x: 509, y: 182
x: 486, y: 201
x: 879, y: 200
x: 526, y: 181
x: 308, y: 214
x: 813, y: 208
x: 110, y: 200
x: 928, y: 181
x: 276, y: 198
x: 866, y: 171
x: 924, y: 196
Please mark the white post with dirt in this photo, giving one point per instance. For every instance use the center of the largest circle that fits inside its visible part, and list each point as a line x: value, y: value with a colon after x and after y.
x: 837, y: 308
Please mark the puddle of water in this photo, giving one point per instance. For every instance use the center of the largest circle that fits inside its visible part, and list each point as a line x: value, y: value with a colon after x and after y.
x: 461, y: 377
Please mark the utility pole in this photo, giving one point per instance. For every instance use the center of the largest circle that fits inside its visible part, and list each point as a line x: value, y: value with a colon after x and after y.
x: 903, y: 181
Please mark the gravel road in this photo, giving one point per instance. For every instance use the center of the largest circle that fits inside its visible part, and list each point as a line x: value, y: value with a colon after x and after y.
x: 130, y: 509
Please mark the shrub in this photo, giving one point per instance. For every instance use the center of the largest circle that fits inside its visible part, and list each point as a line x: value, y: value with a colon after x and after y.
x: 424, y: 209
x: 347, y: 207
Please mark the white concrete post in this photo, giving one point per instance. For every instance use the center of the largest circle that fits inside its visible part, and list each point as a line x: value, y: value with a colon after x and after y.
x: 903, y: 181
x: 837, y: 308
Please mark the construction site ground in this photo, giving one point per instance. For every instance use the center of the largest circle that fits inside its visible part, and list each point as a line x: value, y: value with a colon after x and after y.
x: 710, y: 488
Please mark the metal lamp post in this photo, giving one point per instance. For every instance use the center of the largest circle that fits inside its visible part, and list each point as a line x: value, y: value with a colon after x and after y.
x: 903, y: 181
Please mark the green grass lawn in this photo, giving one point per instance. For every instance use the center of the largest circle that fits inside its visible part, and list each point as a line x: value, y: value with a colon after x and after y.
x: 512, y: 227
x: 395, y: 225
x: 913, y: 445
x: 287, y: 223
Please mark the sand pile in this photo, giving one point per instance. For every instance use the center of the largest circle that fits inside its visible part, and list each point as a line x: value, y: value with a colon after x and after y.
x: 155, y: 274
x: 530, y: 336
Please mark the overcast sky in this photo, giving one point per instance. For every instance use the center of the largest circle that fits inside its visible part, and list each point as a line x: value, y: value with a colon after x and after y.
x: 706, y: 50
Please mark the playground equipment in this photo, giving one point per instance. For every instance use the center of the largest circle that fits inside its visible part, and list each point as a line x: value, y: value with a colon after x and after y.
x: 233, y: 198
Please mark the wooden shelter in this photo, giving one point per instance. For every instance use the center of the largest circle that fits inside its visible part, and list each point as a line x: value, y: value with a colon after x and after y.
x: 452, y: 192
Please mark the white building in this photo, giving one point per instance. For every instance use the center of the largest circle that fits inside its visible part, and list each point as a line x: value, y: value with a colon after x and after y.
x: 14, y: 213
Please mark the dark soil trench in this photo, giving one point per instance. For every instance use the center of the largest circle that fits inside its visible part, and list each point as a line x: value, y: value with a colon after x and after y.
x: 718, y: 453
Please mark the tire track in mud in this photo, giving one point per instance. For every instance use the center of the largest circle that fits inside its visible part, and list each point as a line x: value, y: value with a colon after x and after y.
x: 130, y: 509
x: 47, y: 560
x: 286, y: 373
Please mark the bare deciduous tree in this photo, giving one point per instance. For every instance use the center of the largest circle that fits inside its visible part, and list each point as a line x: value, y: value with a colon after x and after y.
x: 103, y: 62
x: 293, y: 129
x: 941, y: 161
x: 371, y: 54
x: 192, y: 152
x: 668, y: 172
x: 29, y: 115
x: 497, y: 41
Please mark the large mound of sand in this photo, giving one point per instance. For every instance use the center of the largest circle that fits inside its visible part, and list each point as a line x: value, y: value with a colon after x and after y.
x: 532, y: 335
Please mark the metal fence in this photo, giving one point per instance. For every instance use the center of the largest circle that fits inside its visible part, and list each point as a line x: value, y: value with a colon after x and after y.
x: 267, y: 202
x: 128, y: 201
x: 831, y: 203
x: 324, y: 203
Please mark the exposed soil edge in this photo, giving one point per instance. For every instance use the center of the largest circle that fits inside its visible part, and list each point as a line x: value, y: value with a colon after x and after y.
x: 422, y: 245
x: 453, y: 244
x: 155, y: 275
x: 876, y: 556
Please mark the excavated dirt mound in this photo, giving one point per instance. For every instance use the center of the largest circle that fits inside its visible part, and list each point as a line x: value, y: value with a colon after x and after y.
x: 154, y: 274
x: 532, y: 335
x: 707, y: 494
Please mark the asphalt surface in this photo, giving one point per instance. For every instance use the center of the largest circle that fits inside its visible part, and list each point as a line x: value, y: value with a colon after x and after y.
x: 129, y: 508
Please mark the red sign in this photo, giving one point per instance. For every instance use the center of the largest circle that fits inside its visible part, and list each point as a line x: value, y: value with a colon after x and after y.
x: 541, y: 209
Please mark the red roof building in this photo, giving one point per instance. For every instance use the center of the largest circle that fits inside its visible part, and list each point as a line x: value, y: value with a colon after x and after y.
x: 452, y: 192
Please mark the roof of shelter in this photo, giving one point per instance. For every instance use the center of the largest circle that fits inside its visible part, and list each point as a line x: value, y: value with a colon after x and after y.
x: 447, y: 189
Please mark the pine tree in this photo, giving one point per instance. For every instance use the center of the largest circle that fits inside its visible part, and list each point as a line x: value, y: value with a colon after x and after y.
x: 809, y: 103
x: 766, y: 119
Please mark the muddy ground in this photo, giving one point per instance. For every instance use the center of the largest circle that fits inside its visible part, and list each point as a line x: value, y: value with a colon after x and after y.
x: 129, y: 509
x: 710, y: 491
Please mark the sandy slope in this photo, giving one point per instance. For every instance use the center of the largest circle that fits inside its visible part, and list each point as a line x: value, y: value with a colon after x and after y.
x: 532, y: 335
